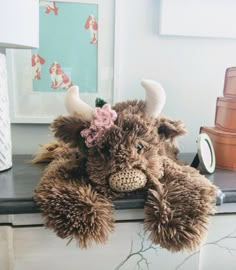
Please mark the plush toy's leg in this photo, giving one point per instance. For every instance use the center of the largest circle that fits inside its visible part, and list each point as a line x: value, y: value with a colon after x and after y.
x: 176, y: 211
x: 73, y: 209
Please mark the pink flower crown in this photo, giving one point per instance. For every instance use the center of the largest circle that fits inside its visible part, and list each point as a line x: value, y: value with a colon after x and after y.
x: 103, y: 119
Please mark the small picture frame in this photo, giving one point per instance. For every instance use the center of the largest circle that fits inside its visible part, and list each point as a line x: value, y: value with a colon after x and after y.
x: 205, y: 158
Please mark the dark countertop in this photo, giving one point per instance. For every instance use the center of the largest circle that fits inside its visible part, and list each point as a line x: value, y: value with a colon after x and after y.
x: 17, y: 186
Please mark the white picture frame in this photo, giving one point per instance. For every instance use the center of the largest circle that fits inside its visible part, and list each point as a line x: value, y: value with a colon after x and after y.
x: 202, y: 18
x: 28, y: 106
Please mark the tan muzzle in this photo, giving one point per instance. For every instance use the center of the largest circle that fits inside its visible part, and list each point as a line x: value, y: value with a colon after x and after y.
x: 127, y: 180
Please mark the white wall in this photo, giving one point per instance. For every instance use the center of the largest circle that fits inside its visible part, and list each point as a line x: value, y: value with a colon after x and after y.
x: 26, y: 139
x: 190, y: 69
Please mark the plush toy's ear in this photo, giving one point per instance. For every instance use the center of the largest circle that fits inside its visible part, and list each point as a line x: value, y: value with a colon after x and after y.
x: 68, y: 128
x: 169, y: 129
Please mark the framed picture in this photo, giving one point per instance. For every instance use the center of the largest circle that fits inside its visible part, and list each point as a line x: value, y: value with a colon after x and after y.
x: 202, y: 18
x: 75, y: 48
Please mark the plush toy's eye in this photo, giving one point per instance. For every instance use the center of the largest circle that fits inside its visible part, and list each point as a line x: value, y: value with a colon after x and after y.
x: 139, y: 147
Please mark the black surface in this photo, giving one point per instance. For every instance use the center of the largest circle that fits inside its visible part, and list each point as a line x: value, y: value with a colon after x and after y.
x: 224, y: 179
x: 20, y: 181
x: 17, y: 186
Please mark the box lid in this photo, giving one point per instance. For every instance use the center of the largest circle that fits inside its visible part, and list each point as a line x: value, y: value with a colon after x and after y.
x: 217, y: 131
x: 219, y: 135
x: 226, y: 102
x: 230, y: 82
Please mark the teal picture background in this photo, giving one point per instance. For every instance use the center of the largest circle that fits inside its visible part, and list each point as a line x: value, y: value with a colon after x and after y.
x: 64, y: 39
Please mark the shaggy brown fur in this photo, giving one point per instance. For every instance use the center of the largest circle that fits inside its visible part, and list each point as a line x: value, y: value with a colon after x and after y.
x: 74, y: 192
x: 49, y: 151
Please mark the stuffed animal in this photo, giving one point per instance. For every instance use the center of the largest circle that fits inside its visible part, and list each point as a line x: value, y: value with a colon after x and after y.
x: 109, y: 152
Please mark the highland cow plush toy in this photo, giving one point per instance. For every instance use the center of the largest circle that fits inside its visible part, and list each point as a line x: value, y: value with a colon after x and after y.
x: 110, y: 152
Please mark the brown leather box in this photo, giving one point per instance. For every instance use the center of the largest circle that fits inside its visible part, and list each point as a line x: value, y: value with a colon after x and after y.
x: 225, y: 117
x: 230, y: 82
x: 224, y: 144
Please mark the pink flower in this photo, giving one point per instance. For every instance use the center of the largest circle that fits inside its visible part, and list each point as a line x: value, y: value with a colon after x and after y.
x: 90, y: 135
x: 104, y: 117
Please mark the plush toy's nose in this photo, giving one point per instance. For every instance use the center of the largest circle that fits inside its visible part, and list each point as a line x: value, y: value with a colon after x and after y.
x: 127, y: 180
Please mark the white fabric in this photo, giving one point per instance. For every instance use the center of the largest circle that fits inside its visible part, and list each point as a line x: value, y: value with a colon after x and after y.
x: 155, y: 97
x: 19, y: 23
x: 75, y: 106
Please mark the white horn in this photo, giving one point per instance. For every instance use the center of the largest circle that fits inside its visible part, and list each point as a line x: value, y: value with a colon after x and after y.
x: 155, y: 97
x: 77, y: 107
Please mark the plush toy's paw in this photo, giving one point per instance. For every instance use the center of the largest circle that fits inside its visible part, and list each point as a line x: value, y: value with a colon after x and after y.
x: 75, y: 212
x: 177, y: 217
